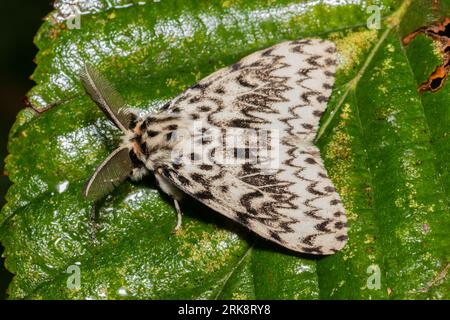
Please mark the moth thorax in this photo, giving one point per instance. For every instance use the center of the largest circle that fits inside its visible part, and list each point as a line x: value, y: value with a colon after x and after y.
x: 152, y: 137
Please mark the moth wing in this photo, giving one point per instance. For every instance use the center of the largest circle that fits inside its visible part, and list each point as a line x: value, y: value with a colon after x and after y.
x: 113, y: 170
x: 282, y: 89
x: 105, y: 96
x: 296, y: 205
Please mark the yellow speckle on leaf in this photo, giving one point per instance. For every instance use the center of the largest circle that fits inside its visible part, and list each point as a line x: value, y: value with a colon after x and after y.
x: 208, y: 244
x: 383, y: 89
x: 239, y: 296
x: 382, y: 71
x: 387, y: 64
x: 438, y: 51
x: 351, y: 48
x: 197, y: 75
x: 349, y: 255
x: 390, y: 48
x: 369, y: 239
x: 171, y: 82
x: 226, y: 4
x: 399, y: 202
x: 345, y: 110
x: 112, y: 15
x: 338, y: 152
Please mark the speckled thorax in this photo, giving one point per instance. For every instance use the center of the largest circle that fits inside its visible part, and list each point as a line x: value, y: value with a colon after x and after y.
x: 150, y: 139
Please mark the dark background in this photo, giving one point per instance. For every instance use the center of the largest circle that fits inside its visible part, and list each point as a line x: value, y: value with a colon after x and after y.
x: 19, y: 22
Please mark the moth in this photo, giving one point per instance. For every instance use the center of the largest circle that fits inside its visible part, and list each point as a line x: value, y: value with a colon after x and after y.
x: 273, y: 99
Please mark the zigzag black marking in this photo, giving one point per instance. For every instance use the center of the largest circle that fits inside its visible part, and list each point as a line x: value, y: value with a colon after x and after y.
x: 266, y: 200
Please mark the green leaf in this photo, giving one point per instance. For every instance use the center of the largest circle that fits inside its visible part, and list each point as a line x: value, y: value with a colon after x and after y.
x: 385, y: 147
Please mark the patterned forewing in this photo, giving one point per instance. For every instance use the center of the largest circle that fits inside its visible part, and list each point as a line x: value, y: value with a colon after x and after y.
x: 282, y: 90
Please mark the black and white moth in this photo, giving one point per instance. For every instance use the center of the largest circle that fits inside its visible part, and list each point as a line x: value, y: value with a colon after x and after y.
x: 282, y: 89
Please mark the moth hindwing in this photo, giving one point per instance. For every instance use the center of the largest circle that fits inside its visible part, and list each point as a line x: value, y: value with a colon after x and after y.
x: 241, y: 142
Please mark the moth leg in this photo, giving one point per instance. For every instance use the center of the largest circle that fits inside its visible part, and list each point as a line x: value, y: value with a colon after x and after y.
x: 167, y: 187
x: 179, y: 216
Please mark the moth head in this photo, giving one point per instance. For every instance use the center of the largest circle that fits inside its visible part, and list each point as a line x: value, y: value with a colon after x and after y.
x: 123, y: 162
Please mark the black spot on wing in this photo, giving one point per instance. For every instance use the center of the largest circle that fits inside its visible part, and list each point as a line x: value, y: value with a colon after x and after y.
x: 220, y: 90
x: 330, y: 62
x: 267, y: 52
x: 242, y: 217
x: 317, y: 250
x: 244, y: 82
x: 203, y: 195
x: 309, y: 239
x: 169, y: 136
x: 199, y: 178
x: 322, y: 99
x: 246, y: 201
x: 194, y: 99
x: 331, y: 49
x: 317, y: 113
x: 323, y: 226
x: 275, y: 236
x: 339, y: 225
x: 311, y: 189
x: 165, y: 106
x: 204, y: 109
x: 201, y: 86
x: 338, y: 214
x: 177, y: 166
x: 236, y: 66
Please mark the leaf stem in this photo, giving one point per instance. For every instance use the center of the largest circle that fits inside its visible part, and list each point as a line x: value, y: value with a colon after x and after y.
x: 393, y: 21
x: 228, y: 276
